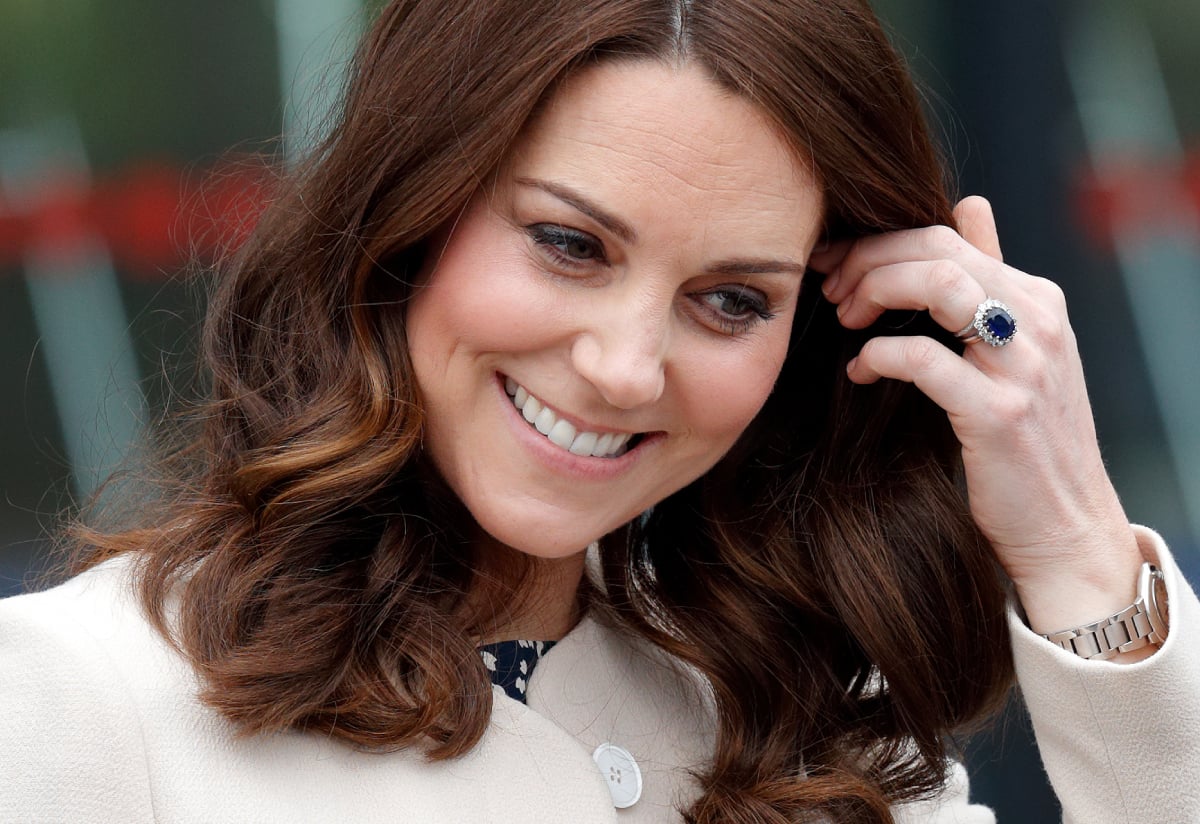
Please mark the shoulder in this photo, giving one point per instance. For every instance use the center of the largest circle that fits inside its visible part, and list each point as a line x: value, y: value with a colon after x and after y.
x: 94, y: 591
x: 92, y: 620
x: 70, y: 740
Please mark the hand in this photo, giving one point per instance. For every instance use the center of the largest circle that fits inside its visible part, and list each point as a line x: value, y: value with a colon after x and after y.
x: 1036, y: 483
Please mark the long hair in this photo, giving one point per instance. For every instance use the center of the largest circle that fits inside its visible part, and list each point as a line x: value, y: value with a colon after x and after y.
x: 825, y: 576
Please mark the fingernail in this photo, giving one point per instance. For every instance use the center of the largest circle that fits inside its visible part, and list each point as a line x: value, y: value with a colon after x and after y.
x: 850, y: 365
x: 830, y: 284
x: 844, y: 306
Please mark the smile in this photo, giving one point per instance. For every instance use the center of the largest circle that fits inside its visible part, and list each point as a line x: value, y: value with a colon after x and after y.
x: 562, y: 433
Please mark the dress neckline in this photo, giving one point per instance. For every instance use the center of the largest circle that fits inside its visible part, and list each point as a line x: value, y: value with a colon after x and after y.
x: 510, y: 664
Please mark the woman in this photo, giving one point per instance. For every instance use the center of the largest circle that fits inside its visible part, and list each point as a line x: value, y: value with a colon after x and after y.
x: 555, y: 278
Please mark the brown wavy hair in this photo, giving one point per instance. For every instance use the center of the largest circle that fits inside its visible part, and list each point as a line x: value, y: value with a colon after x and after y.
x: 825, y: 576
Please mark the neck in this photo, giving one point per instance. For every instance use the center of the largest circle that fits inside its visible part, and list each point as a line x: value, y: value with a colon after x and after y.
x: 546, y: 607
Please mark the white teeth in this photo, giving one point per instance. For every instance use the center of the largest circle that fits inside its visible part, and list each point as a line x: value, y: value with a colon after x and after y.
x: 532, y: 408
x: 562, y: 433
x: 545, y: 421
x: 584, y: 443
x: 604, y: 445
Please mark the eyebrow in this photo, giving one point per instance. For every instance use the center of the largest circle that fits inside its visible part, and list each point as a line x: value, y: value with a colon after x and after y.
x: 612, y: 223
x: 755, y: 267
x: 580, y: 203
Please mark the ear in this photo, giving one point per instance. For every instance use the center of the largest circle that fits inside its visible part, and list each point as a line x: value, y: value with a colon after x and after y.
x: 977, y: 225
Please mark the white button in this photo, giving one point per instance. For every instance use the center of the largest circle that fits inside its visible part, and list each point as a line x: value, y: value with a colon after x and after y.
x: 622, y: 774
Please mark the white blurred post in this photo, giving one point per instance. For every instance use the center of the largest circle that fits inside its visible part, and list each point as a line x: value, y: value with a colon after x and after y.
x: 316, y: 40
x: 77, y: 307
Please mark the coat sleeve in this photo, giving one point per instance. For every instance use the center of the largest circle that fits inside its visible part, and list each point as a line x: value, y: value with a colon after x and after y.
x: 70, y: 740
x: 1120, y: 742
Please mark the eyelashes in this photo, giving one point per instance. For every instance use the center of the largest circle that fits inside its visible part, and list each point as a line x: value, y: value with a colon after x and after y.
x: 567, y: 247
x: 733, y: 309
x: 737, y: 308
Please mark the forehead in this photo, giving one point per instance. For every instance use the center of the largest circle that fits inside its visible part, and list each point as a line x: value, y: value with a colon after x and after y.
x: 648, y: 135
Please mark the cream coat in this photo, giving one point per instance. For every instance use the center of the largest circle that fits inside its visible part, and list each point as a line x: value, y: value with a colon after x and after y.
x: 100, y: 724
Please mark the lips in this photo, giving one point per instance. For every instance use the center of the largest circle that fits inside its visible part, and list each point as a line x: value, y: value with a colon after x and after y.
x: 562, y: 433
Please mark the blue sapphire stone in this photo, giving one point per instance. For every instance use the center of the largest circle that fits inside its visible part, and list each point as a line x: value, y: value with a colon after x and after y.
x: 999, y: 323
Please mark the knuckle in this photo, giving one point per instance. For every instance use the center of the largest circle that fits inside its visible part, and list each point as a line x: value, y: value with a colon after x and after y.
x: 1051, y: 294
x: 1038, y: 380
x: 1046, y: 317
x: 871, y: 350
x: 1056, y: 337
x: 976, y: 202
x: 920, y: 353
x: 947, y: 278
x: 944, y: 240
x: 1015, y: 407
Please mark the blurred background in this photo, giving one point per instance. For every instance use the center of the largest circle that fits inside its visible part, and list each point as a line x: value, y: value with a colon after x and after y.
x: 128, y: 130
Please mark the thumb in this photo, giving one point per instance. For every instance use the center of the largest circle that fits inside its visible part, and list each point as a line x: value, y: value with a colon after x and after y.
x: 977, y: 225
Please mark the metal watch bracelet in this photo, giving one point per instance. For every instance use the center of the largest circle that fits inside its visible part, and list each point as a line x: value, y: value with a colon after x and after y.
x: 1141, y: 623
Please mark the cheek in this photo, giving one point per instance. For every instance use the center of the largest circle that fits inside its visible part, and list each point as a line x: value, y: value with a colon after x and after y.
x: 480, y: 298
x: 486, y: 294
x: 727, y: 389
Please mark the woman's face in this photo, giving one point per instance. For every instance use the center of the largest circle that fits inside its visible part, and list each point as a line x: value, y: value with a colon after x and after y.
x: 627, y: 284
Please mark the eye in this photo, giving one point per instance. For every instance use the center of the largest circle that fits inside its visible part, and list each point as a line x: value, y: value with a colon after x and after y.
x: 735, y: 309
x: 567, y: 247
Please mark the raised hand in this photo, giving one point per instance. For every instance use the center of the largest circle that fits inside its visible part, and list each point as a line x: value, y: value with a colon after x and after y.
x: 1036, y: 482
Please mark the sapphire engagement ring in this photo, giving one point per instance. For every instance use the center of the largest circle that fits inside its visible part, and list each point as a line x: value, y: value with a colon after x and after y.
x: 993, y: 323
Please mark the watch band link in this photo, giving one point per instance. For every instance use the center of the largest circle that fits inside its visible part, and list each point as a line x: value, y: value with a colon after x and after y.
x: 1130, y: 629
x: 1126, y: 631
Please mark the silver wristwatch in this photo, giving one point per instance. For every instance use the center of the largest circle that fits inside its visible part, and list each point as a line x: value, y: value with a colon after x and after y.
x: 1142, y: 622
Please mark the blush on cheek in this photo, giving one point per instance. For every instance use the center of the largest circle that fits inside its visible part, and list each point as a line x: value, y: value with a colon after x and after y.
x: 484, y: 280
x: 726, y: 394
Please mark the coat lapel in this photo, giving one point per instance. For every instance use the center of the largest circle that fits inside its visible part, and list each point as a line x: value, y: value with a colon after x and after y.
x: 603, y: 687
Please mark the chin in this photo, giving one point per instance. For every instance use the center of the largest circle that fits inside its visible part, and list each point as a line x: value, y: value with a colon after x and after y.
x: 541, y: 540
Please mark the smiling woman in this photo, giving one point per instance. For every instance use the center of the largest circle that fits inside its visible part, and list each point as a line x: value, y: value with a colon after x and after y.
x: 674, y: 279
x: 631, y: 274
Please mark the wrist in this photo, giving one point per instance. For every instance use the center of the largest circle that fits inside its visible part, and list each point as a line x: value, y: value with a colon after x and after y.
x: 1089, y: 584
x: 1128, y: 635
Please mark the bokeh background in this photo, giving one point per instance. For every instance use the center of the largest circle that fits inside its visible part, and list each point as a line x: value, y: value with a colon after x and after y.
x: 129, y: 128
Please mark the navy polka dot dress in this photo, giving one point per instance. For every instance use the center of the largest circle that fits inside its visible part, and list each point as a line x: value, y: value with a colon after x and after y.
x: 510, y: 664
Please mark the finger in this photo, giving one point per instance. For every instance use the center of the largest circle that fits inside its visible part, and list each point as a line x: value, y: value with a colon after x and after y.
x: 928, y: 243
x: 948, y: 380
x: 977, y: 225
x: 948, y: 291
x: 826, y: 259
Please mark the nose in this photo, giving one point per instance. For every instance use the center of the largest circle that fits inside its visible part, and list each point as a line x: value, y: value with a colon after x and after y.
x: 622, y: 353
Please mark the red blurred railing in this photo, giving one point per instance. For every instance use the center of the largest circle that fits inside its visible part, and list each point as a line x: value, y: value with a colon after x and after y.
x: 152, y: 218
